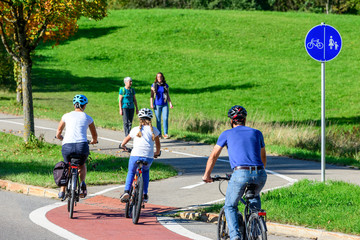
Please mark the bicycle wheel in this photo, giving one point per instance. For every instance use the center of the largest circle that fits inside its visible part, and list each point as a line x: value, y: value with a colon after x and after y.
x: 73, y: 195
x: 129, y: 204
x: 138, y: 199
x: 68, y: 193
x: 222, y: 229
x: 255, y: 228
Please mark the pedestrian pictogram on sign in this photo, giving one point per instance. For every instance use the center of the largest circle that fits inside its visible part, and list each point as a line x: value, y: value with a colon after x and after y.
x: 323, y: 43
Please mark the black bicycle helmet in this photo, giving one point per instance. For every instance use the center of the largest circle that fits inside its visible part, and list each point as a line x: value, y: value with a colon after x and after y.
x: 237, y: 112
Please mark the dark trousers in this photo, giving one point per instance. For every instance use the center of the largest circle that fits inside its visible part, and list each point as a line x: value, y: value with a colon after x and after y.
x: 128, y: 115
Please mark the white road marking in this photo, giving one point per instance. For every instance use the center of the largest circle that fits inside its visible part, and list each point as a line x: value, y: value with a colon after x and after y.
x: 105, y: 191
x: 192, y: 186
x: 38, y: 216
x: 172, y: 225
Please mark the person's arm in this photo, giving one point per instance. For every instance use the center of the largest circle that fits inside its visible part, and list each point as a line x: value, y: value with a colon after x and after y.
x: 157, y: 144
x: 125, y: 141
x: 263, y: 156
x: 152, y: 97
x: 60, y: 129
x: 120, y: 103
x: 169, y: 100
x: 93, y: 133
x: 136, y: 106
x: 211, y: 163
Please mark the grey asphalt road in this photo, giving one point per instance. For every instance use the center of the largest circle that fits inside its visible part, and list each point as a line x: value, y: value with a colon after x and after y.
x: 14, y: 221
x: 187, y: 190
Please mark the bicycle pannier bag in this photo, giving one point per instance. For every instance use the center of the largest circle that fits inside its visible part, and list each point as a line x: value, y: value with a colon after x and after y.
x: 61, y: 171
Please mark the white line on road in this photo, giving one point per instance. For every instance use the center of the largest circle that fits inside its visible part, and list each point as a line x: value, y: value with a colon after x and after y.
x: 38, y: 216
x: 172, y: 225
x: 192, y: 186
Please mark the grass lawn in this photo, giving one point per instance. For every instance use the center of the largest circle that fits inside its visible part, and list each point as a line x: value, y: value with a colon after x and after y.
x: 333, y: 206
x: 33, y: 164
x: 212, y: 60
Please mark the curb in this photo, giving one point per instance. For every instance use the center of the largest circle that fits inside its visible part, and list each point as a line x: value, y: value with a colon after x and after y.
x: 28, y: 189
x: 277, y: 228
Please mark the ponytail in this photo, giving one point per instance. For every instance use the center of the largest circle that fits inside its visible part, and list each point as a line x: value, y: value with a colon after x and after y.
x: 144, y: 122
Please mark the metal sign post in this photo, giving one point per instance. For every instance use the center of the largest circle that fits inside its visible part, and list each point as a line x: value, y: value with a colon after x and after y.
x: 323, y: 43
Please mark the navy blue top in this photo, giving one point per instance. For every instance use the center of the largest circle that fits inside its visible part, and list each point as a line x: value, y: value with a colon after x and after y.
x: 160, y: 95
x: 244, y: 146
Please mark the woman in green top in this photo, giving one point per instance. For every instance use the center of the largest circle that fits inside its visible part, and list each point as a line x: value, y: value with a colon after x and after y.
x: 127, y: 101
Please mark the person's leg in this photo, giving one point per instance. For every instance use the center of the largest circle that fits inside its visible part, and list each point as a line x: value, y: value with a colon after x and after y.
x: 146, y: 174
x: 131, y: 172
x: 158, y: 110
x: 234, y: 192
x: 165, y: 116
x: 130, y: 119
x: 259, y: 178
x: 126, y: 121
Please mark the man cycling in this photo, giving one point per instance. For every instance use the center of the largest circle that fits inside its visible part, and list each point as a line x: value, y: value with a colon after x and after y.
x: 75, y: 140
x: 246, y: 149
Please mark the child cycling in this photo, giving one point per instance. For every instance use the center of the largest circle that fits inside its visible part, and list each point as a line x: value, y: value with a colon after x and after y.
x: 144, y: 137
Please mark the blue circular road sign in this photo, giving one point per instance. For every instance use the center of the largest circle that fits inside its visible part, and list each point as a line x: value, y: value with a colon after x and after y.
x: 323, y: 43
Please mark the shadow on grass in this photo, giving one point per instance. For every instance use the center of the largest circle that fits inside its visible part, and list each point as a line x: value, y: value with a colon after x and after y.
x: 87, y: 33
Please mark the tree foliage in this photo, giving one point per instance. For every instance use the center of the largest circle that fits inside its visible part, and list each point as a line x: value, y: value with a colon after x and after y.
x: 24, y: 23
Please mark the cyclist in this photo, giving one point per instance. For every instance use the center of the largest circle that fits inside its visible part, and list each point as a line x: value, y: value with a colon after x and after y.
x: 246, y: 149
x: 144, y: 137
x: 75, y: 140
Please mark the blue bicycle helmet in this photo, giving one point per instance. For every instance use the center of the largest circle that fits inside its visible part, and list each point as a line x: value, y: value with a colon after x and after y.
x: 81, y: 99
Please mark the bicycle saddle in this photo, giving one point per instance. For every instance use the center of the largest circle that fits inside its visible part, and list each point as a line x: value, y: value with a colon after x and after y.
x: 75, y: 159
x: 250, y: 191
x: 141, y: 161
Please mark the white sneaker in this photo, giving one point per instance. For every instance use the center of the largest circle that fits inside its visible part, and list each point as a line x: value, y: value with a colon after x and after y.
x: 124, y: 197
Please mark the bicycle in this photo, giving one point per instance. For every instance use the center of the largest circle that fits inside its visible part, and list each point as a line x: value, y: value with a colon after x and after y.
x: 252, y: 225
x: 72, y: 192
x: 136, y: 201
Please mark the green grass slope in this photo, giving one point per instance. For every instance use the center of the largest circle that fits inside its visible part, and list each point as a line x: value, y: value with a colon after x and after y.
x: 212, y: 60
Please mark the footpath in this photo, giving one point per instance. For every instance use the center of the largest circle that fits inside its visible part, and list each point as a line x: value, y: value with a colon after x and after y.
x: 186, y: 191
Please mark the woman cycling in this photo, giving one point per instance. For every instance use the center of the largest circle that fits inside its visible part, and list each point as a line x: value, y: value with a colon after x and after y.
x: 144, y: 137
x: 75, y: 140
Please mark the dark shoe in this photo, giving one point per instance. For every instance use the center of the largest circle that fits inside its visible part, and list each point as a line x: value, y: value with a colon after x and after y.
x: 124, y: 197
x: 83, y: 191
x: 61, y: 195
x: 146, y: 198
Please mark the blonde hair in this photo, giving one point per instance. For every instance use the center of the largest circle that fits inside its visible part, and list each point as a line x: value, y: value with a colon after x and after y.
x: 145, y: 122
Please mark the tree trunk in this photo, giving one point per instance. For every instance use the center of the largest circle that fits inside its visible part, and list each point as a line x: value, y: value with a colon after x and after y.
x: 18, y: 80
x: 28, y: 109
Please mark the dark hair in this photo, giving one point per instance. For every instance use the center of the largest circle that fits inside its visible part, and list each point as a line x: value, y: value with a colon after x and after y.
x: 77, y: 105
x: 239, y: 121
x: 162, y: 77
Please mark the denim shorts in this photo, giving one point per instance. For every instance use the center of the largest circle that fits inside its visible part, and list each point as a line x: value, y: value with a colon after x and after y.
x: 69, y: 149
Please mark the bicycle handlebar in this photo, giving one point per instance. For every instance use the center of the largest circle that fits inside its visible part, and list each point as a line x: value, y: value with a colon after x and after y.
x: 219, y: 178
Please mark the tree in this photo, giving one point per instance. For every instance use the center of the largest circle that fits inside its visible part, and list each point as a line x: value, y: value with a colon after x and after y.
x: 24, y: 23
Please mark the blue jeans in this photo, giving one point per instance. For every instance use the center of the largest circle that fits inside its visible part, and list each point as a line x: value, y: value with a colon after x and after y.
x: 235, y: 191
x: 132, y: 170
x: 164, y: 111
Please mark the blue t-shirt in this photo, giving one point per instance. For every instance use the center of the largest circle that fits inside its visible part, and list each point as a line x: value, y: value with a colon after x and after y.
x: 160, y: 95
x: 244, y: 146
x: 128, y: 99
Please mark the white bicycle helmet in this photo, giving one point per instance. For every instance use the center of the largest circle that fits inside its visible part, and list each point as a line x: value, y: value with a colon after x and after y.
x: 145, y: 113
